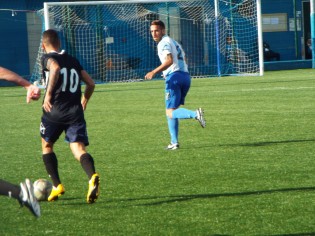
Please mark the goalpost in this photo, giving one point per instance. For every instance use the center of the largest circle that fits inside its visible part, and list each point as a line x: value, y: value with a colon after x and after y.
x: 112, y: 39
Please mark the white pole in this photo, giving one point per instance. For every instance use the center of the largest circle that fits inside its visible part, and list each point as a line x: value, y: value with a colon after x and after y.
x: 46, y: 16
x: 313, y: 31
x: 260, y: 39
x: 216, y: 14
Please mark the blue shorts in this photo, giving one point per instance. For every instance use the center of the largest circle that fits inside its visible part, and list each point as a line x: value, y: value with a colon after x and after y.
x: 76, y: 132
x: 177, y: 86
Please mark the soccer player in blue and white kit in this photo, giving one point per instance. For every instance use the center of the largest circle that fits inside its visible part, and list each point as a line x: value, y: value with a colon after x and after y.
x: 177, y: 81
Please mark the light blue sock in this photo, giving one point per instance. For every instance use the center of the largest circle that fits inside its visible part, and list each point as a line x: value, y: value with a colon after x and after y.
x: 173, y: 129
x: 182, y: 113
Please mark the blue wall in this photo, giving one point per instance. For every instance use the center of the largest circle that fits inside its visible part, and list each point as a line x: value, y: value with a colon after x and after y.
x: 13, y: 40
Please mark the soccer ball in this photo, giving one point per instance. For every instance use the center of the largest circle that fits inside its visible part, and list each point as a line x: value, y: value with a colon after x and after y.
x: 42, y: 189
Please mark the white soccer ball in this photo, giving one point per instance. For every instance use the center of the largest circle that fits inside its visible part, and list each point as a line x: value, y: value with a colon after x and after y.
x: 42, y: 189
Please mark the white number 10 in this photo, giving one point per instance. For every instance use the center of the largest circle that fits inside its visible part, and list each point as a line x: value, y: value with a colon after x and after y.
x: 74, y: 80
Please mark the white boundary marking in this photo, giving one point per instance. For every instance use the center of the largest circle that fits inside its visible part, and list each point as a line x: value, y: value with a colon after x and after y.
x: 263, y: 89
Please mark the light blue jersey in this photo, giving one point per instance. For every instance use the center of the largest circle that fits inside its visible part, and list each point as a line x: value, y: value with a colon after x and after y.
x: 169, y: 46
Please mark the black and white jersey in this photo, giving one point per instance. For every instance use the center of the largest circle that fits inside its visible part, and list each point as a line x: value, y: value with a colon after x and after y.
x: 66, y: 97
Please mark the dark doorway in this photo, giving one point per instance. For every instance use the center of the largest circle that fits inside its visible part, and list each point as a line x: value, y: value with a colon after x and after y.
x: 307, y: 29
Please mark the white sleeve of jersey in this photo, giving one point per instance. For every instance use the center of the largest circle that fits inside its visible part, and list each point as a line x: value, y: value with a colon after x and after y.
x: 164, y: 48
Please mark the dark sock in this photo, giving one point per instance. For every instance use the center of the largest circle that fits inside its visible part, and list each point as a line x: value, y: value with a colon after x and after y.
x: 87, y: 164
x: 10, y: 190
x: 51, y: 164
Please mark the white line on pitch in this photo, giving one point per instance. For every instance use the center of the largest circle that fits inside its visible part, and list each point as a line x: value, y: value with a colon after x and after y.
x: 264, y: 89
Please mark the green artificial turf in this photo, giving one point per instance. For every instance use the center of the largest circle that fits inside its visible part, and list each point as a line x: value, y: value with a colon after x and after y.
x: 251, y: 171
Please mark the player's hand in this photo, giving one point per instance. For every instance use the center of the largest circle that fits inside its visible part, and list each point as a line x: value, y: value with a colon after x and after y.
x: 84, y: 103
x: 149, y: 75
x: 33, y: 93
x: 46, y: 104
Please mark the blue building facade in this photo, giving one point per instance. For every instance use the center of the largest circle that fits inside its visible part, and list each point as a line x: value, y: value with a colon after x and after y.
x: 289, y: 42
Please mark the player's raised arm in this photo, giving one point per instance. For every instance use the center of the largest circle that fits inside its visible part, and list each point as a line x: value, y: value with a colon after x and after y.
x: 33, y: 92
x: 89, y: 89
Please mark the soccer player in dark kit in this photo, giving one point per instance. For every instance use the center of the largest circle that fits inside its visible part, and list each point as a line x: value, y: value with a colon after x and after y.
x: 63, y: 111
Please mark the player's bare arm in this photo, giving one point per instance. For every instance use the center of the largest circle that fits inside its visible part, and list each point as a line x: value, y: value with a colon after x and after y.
x: 166, y: 64
x: 13, y: 77
x: 89, y: 89
x: 33, y: 92
x: 54, y: 70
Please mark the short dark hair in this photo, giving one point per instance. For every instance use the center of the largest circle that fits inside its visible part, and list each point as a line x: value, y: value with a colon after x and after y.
x: 51, y: 37
x: 159, y: 23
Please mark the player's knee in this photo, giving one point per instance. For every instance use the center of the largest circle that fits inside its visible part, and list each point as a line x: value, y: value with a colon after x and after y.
x: 169, y: 113
x: 77, y: 154
x: 78, y: 149
x: 47, y: 147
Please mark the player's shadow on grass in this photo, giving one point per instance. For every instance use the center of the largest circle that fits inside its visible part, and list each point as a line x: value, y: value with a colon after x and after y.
x: 267, y: 143
x: 168, y: 199
x: 255, y: 144
x: 159, y: 200
x: 296, y: 234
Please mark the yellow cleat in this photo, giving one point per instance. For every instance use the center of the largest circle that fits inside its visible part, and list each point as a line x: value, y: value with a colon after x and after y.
x: 94, y: 189
x: 56, y: 192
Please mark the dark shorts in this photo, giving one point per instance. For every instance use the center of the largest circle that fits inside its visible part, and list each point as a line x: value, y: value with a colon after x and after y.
x: 177, y: 86
x: 76, y: 132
